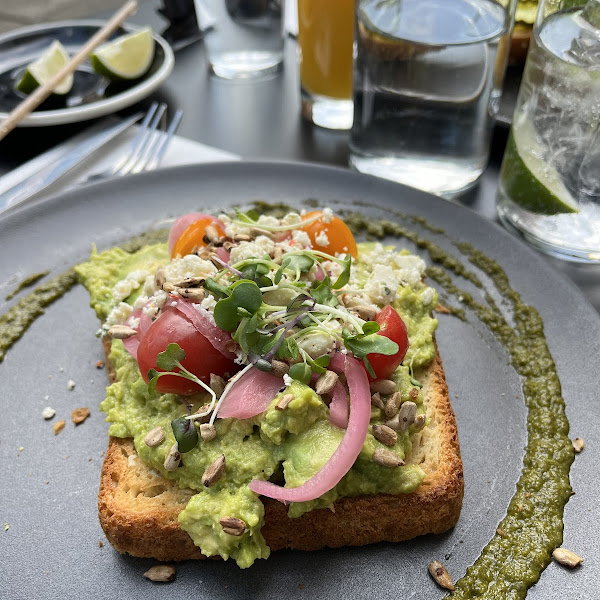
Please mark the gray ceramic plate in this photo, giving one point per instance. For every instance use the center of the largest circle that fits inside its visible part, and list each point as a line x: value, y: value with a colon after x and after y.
x: 92, y: 96
x: 48, y: 484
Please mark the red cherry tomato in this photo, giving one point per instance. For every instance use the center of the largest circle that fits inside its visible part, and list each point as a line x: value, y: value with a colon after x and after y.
x: 392, y: 327
x: 201, y: 357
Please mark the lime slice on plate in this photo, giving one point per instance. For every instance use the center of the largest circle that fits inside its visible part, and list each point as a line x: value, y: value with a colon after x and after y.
x: 127, y: 57
x: 44, y: 68
x: 528, y: 180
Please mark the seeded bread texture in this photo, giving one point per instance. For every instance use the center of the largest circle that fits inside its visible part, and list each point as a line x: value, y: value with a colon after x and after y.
x: 138, y: 508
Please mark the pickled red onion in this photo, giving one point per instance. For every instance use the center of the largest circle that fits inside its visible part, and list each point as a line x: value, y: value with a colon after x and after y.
x: 202, y: 320
x: 251, y: 395
x: 131, y: 343
x: 184, y: 222
x: 348, y: 450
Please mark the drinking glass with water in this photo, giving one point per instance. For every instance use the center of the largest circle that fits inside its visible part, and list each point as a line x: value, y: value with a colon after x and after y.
x: 427, y: 83
x: 550, y: 178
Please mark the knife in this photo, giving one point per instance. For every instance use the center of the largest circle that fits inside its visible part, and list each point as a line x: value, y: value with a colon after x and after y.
x: 76, y: 150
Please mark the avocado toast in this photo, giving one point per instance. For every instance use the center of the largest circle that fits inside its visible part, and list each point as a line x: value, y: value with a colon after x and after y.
x: 296, y: 453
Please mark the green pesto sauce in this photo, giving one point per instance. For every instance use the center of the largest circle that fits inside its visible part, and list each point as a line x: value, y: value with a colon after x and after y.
x: 27, y: 282
x: 15, y: 322
x: 515, y: 557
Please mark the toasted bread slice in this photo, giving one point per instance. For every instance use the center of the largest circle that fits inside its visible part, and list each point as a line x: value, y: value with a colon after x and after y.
x: 138, y: 508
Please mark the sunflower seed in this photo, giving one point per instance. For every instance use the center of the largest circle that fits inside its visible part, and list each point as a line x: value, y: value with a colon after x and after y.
x: 121, y: 332
x: 366, y: 312
x: 214, y: 472
x: 326, y: 383
x: 280, y: 368
x: 386, y: 435
x: 419, y: 421
x: 407, y: 414
x: 205, y: 408
x: 386, y: 387
x: 207, y: 432
x: 173, y: 458
x: 233, y: 525
x: 211, y: 235
x: 393, y: 404
x: 155, y: 437
x: 217, y: 384
x: 161, y: 573
x: 284, y: 401
x: 241, y: 237
x: 440, y: 575
x: 190, y: 282
x: 578, y: 445
x: 566, y: 557
x: 160, y: 278
x: 168, y: 287
x: 387, y: 458
x: 194, y: 294
x: 377, y: 401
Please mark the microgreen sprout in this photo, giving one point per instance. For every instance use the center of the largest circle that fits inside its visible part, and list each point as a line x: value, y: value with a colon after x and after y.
x: 248, y: 220
x: 171, y: 359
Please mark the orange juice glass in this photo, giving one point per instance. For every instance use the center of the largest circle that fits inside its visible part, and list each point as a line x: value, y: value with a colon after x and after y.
x: 325, y: 38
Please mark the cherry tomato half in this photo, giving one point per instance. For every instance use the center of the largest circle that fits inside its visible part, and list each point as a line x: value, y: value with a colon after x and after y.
x: 201, y: 357
x: 193, y: 236
x: 392, y: 327
x: 337, y: 234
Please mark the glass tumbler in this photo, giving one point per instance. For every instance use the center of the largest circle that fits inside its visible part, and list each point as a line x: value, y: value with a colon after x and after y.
x: 427, y: 83
x: 245, y: 40
x: 325, y: 41
x: 550, y: 178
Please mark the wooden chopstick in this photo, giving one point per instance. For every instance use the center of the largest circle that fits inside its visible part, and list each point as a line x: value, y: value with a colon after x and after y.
x: 37, y: 97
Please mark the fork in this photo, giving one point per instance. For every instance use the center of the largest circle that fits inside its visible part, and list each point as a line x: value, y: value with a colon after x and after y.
x: 148, y: 147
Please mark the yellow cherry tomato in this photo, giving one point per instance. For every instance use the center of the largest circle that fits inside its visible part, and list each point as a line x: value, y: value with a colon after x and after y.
x: 193, y: 237
x: 333, y: 237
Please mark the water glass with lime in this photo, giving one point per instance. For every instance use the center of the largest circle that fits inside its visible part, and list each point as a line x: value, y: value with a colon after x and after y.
x: 550, y: 178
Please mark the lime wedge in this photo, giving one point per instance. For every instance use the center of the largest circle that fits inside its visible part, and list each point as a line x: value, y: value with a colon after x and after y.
x: 127, y: 57
x: 528, y: 180
x: 44, y: 68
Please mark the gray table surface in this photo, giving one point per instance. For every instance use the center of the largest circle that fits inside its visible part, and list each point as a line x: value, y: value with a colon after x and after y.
x: 261, y: 120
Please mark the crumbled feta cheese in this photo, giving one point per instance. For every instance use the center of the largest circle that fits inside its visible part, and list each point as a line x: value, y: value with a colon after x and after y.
x: 322, y: 239
x: 140, y: 301
x: 188, y: 266
x: 327, y: 215
x: 382, y: 284
x: 48, y: 413
x: 118, y: 314
x: 70, y: 385
x: 132, y: 282
x: 149, y: 286
x: 209, y: 302
x: 333, y: 269
x: 255, y: 249
x: 287, y: 380
x: 150, y: 310
x: 302, y: 238
x: 131, y: 460
x: 268, y: 221
x: 160, y: 298
x: 291, y: 219
x: 134, y: 322
x: 427, y: 295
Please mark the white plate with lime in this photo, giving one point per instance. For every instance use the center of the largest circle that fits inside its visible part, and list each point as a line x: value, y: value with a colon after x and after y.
x: 129, y: 67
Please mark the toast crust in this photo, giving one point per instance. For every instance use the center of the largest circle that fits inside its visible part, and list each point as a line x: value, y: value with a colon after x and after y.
x: 138, y: 508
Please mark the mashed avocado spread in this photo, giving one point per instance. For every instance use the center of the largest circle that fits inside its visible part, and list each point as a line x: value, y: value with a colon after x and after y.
x: 288, y: 445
